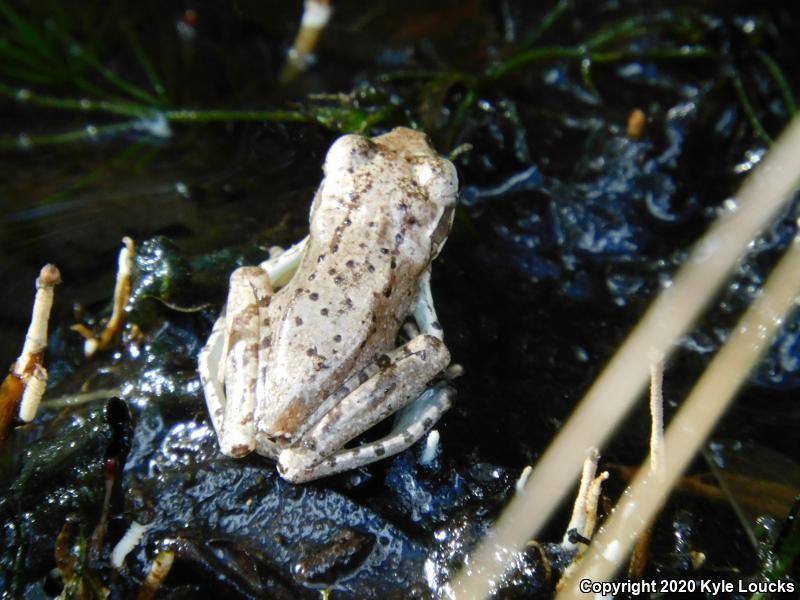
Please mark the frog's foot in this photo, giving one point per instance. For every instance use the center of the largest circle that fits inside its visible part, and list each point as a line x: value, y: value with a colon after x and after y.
x: 395, y: 381
x: 412, y: 423
x: 229, y: 363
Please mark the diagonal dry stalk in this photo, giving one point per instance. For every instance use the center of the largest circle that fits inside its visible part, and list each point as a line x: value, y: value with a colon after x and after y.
x: 689, y: 428
x: 610, y: 398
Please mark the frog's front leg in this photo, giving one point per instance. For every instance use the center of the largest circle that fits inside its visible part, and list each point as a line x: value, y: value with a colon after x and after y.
x: 282, y: 267
x: 397, y: 380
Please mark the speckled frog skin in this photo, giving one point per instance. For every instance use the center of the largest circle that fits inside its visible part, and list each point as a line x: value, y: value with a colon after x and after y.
x: 295, y: 374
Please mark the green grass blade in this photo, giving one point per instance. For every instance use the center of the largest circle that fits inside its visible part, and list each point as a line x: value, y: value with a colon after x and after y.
x: 27, y: 34
x: 146, y: 65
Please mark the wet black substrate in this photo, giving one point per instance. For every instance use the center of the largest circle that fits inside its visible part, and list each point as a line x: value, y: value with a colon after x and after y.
x: 566, y: 227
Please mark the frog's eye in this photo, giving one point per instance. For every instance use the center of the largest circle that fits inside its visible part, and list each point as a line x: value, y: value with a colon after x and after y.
x: 439, y: 178
x: 347, y: 154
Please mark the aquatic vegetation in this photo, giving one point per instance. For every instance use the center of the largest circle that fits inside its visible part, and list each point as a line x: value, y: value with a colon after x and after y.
x: 38, y: 59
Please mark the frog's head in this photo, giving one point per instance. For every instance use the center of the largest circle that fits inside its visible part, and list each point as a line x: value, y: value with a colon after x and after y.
x: 347, y: 154
x: 435, y: 175
x: 401, y: 155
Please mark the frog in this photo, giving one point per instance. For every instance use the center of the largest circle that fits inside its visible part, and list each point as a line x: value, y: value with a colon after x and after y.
x: 319, y: 343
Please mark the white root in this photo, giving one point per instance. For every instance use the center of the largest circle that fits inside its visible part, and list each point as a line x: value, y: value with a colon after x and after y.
x: 122, y: 293
x: 316, y: 14
x: 29, y: 367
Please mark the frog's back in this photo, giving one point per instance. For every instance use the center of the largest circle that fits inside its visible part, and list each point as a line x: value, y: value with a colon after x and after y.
x: 373, y: 232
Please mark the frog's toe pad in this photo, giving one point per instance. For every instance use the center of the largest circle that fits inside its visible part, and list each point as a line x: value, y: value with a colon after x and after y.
x: 296, y: 465
x: 235, y: 444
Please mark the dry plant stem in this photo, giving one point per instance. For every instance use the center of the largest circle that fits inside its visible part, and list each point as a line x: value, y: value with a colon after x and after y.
x: 592, y: 501
x: 36, y: 338
x: 158, y: 572
x: 24, y: 386
x: 589, y: 504
x: 110, y: 471
x: 316, y: 14
x: 578, y: 519
x: 519, y: 486
x: 694, y: 421
x: 641, y: 549
x: 82, y: 398
x: 614, y: 392
x: 640, y: 555
x: 122, y: 292
x: 65, y: 561
x: 657, y: 413
x: 765, y: 497
x: 10, y: 395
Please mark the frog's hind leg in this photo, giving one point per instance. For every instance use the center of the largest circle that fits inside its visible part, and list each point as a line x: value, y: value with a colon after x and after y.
x: 232, y: 359
x: 397, y: 379
x: 424, y: 312
x: 412, y: 423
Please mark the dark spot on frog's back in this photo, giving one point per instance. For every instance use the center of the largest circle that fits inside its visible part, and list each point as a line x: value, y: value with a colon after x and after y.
x: 313, y: 296
x: 383, y: 361
x: 298, y: 321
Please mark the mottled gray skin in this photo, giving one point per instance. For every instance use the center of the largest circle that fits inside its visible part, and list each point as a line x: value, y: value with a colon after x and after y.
x: 298, y: 373
x: 373, y: 226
